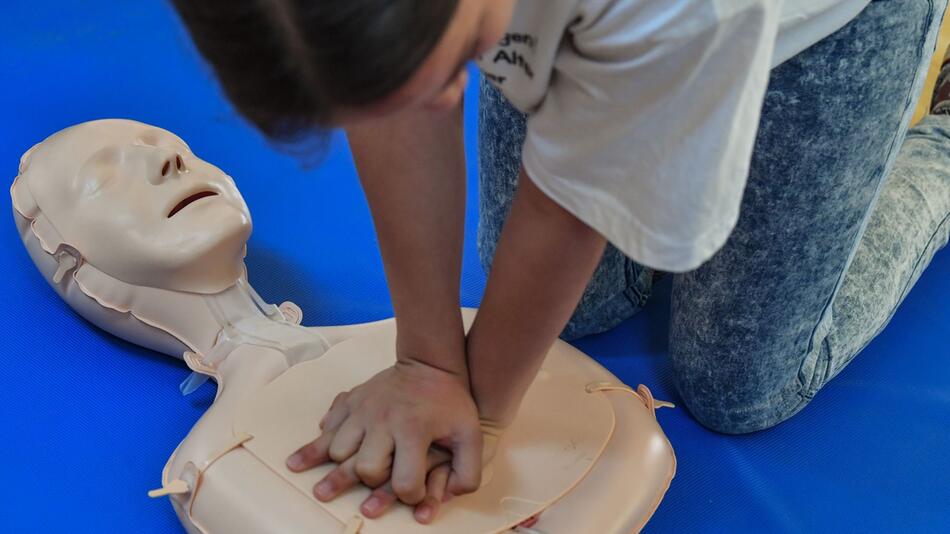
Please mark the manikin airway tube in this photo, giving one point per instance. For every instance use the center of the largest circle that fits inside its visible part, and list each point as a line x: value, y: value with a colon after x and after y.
x: 193, y: 382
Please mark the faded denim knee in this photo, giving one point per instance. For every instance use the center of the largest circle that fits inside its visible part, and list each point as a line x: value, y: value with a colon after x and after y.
x: 740, y: 395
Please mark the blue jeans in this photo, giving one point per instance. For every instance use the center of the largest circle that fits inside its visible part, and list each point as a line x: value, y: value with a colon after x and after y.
x: 843, y: 210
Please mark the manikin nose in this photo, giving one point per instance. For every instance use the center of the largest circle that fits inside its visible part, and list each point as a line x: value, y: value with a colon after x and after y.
x: 171, y: 166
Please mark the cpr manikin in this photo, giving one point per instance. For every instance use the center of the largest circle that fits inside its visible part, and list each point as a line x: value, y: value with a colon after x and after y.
x: 147, y: 241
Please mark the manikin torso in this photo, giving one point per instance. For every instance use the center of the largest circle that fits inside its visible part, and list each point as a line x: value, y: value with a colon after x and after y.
x: 147, y: 242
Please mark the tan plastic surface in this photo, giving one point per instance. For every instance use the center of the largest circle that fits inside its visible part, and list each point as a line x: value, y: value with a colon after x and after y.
x: 557, y: 437
x: 618, y: 495
x: 177, y: 285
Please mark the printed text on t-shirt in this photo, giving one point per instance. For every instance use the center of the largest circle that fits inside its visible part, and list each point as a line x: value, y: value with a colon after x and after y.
x: 507, y: 54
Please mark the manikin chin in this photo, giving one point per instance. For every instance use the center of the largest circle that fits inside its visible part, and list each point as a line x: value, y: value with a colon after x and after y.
x: 147, y: 241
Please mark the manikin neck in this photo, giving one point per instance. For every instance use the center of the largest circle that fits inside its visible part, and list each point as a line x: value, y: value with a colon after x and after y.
x: 234, y: 314
x: 206, y: 324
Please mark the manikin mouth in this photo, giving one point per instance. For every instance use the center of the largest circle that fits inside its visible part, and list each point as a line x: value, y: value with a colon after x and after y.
x: 190, y: 199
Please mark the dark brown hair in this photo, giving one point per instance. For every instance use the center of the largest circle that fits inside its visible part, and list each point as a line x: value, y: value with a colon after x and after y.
x: 289, y: 65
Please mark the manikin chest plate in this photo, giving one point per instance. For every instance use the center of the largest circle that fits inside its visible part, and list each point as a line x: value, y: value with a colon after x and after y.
x: 558, y: 436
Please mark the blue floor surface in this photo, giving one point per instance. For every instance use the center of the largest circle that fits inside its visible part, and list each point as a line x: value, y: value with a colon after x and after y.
x: 88, y: 420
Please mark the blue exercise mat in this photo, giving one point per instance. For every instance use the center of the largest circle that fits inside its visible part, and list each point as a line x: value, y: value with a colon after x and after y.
x: 89, y: 420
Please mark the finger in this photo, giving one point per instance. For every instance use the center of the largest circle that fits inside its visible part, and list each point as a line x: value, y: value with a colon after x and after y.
x: 466, y: 474
x: 347, y: 440
x: 336, y: 414
x: 375, y: 458
x: 337, y: 481
x: 409, y: 468
x: 436, y: 482
x: 312, y: 454
x: 378, y: 502
x: 385, y: 497
x: 436, y: 456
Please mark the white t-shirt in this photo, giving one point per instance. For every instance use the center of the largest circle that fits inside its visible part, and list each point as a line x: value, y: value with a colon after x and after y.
x: 643, y: 113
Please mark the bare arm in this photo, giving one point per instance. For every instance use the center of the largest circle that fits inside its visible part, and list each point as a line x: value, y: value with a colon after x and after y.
x: 412, y: 167
x: 543, y: 262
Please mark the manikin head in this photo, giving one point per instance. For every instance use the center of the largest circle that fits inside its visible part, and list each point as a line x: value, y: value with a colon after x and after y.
x: 137, y: 204
x: 133, y: 231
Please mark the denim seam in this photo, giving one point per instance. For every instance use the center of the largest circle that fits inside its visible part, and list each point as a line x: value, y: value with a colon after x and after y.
x: 634, y: 296
x: 632, y: 285
x: 778, y: 407
x: 829, y: 371
x: 907, y: 287
x: 822, y: 370
x: 909, y: 102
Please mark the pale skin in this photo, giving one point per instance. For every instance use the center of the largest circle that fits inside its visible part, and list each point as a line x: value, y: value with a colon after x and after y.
x: 415, y: 431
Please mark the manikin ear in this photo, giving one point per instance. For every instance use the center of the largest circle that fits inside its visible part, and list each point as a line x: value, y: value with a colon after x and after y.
x: 25, y: 158
x: 22, y: 197
x: 23, y: 201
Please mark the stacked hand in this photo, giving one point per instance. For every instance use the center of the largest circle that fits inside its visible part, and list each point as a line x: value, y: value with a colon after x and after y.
x: 412, y: 432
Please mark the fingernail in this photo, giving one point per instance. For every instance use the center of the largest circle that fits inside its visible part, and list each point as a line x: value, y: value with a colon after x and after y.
x: 295, y: 461
x: 371, y: 505
x: 324, y: 489
x: 424, y: 512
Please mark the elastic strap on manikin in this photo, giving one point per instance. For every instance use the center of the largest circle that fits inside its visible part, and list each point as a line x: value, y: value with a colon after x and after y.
x: 642, y: 392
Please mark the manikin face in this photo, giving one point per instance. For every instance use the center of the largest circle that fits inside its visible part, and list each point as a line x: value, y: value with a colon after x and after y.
x: 140, y: 206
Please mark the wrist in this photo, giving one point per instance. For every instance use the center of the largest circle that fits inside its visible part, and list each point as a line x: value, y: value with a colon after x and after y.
x: 496, y: 415
x: 441, y: 352
x: 425, y: 373
x: 498, y: 377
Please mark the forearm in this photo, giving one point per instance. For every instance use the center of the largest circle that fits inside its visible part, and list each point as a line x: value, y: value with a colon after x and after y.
x: 412, y: 168
x: 542, y: 264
